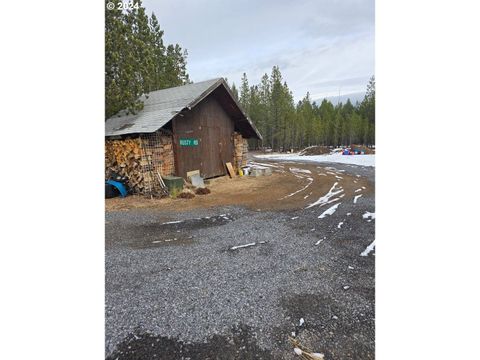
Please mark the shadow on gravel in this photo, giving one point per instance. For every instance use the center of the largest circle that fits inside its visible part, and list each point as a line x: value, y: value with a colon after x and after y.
x: 173, y: 233
x: 240, y: 345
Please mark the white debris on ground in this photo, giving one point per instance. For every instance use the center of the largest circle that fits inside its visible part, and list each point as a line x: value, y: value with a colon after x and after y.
x: 339, y: 226
x: 325, y: 199
x: 319, y: 241
x: 355, y: 199
x: 351, y: 267
x: 363, y: 160
x: 330, y: 211
x: 346, y: 287
x: 368, y: 249
x: 242, y: 246
x: 302, y: 321
x: 369, y: 215
x: 295, y: 217
x: 358, y: 190
x: 348, y: 214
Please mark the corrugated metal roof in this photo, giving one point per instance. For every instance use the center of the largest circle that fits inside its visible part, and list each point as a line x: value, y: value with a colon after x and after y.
x: 159, y: 108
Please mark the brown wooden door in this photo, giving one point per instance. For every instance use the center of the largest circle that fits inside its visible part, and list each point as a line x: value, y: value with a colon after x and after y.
x: 213, y: 128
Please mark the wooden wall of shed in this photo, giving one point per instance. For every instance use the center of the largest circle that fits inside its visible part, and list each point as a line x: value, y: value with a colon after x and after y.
x: 212, y: 127
x: 140, y: 158
x: 240, y: 150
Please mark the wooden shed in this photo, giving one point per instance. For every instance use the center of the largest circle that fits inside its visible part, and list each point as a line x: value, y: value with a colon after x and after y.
x: 197, y: 126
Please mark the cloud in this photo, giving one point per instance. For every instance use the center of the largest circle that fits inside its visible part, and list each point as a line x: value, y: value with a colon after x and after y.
x: 320, y: 46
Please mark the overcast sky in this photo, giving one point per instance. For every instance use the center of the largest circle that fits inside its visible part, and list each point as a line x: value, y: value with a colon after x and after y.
x: 321, y: 46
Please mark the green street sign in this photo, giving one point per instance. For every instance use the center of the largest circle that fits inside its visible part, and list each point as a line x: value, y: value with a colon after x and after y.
x: 188, y: 142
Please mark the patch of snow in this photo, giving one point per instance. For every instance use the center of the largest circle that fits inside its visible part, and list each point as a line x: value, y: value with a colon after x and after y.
x: 306, y: 196
x: 358, y: 190
x: 351, y: 267
x: 363, y: 160
x: 355, y: 199
x: 348, y: 214
x: 295, y: 217
x: 297, y: 170
x: 363, y: 187
x: 318, y: 356
x: 339, y: 226
x: 368, y: 249
x: 322, y: 174
x: 297, y: 351
x: 242, y: 246
x: 368, y: 215
x: 302, y: 321
x: 339, y: 177
x: 325, y: 199
x: 310, y: 180
x: 346, y: 287
x: 293, y: 333
x: 330, y: 211
x: 172, y: 222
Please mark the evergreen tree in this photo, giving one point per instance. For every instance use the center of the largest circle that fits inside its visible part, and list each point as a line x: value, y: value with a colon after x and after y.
x: 285, y: 125
x: 244, y: 93
x: 136, y: 60
x: 234, y: 92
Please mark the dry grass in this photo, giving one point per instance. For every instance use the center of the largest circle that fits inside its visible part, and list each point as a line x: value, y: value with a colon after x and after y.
x: 304, y: 352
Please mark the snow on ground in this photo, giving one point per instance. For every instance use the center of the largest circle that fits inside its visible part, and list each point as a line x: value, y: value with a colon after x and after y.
x: 368, y: 249
x: 339, y: 226
x: 355, y: 199
x: 368, y: 215
x: 325, y: 199
x: 296, y: 192
x: 363, y: 160
x: 329, y: 211
x: 297, y: 170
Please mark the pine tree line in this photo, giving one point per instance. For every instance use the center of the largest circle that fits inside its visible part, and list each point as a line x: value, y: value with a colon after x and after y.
x: 285, y: 125
x: 136, y: 59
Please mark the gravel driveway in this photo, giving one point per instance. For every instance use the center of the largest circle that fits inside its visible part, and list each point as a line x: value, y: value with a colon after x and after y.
x: 175, y: 288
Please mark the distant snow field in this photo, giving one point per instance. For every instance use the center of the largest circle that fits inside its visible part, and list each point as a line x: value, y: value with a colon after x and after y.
x: 363, y: 160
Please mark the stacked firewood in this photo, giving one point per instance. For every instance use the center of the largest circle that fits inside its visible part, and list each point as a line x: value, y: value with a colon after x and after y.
x: 240, y: 150
x: 125, y: 158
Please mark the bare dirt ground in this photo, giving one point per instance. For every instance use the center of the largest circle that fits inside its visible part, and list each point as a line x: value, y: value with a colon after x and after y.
x: 181, y: 285
x: 264, y: 193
